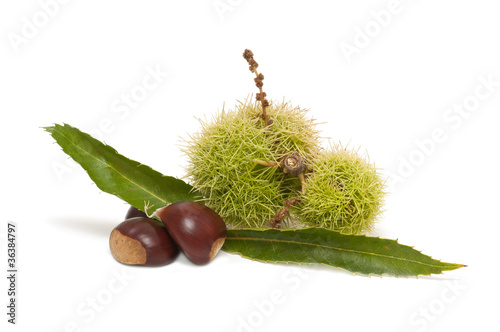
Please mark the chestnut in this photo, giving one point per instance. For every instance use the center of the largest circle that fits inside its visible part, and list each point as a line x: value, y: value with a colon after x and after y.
x: 142, y: 241
x: 198, y: 230
x: 135, y: 212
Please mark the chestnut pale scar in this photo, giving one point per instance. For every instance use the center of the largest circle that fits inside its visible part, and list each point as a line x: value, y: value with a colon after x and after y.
x: 127, y: 250
x: 216, y: 247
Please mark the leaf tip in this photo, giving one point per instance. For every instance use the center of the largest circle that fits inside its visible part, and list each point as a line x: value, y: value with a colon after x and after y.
x: 48, y: 129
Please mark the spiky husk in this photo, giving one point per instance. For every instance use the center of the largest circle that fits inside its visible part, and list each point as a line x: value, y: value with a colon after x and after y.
x: 344, y: 192
x: 220, y: 160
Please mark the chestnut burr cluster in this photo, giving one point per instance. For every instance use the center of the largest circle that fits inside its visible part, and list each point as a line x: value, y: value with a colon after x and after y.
x: 191, y: 227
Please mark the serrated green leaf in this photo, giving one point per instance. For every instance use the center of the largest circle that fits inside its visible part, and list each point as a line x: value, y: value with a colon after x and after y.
x: 138, y: 184
x: 354, y: 253
x: 135, y: 183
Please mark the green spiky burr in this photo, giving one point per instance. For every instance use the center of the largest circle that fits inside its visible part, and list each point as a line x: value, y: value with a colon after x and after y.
x: 260, y: 165
x: 222, y: 160
x: 344, y: 192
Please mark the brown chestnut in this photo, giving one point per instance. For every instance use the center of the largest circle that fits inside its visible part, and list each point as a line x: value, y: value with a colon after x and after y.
x: 198, y: 230
x: 142, y: 241
x: 135, y: 212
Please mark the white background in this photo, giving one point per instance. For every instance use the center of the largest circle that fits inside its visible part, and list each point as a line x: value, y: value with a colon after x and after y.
x: 387, y: 98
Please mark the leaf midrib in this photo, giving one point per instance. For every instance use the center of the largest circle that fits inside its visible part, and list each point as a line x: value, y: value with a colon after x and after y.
x: 107, y: 165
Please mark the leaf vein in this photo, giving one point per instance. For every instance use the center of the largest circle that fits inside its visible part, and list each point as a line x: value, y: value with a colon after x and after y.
x: 330, y: 247
x: 108, y: 165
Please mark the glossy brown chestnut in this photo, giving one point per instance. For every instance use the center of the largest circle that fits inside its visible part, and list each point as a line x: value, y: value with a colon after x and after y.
x: 142, y: 241
x: 198, y: 230
x: 134, y: 212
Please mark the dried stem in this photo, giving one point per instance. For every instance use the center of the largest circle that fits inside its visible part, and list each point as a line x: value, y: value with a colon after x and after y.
x: 266, y: 163
x: 259, y: 78
x: 278, y: 218
x: 292, y: 164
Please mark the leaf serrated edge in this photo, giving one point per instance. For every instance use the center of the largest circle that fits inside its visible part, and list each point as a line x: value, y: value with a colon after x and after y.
x: 53, y: 129
x: 450, y: 267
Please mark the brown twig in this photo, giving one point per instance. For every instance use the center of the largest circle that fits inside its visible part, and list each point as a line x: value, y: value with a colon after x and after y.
x: 259, y: 78
x: 276, y: 221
